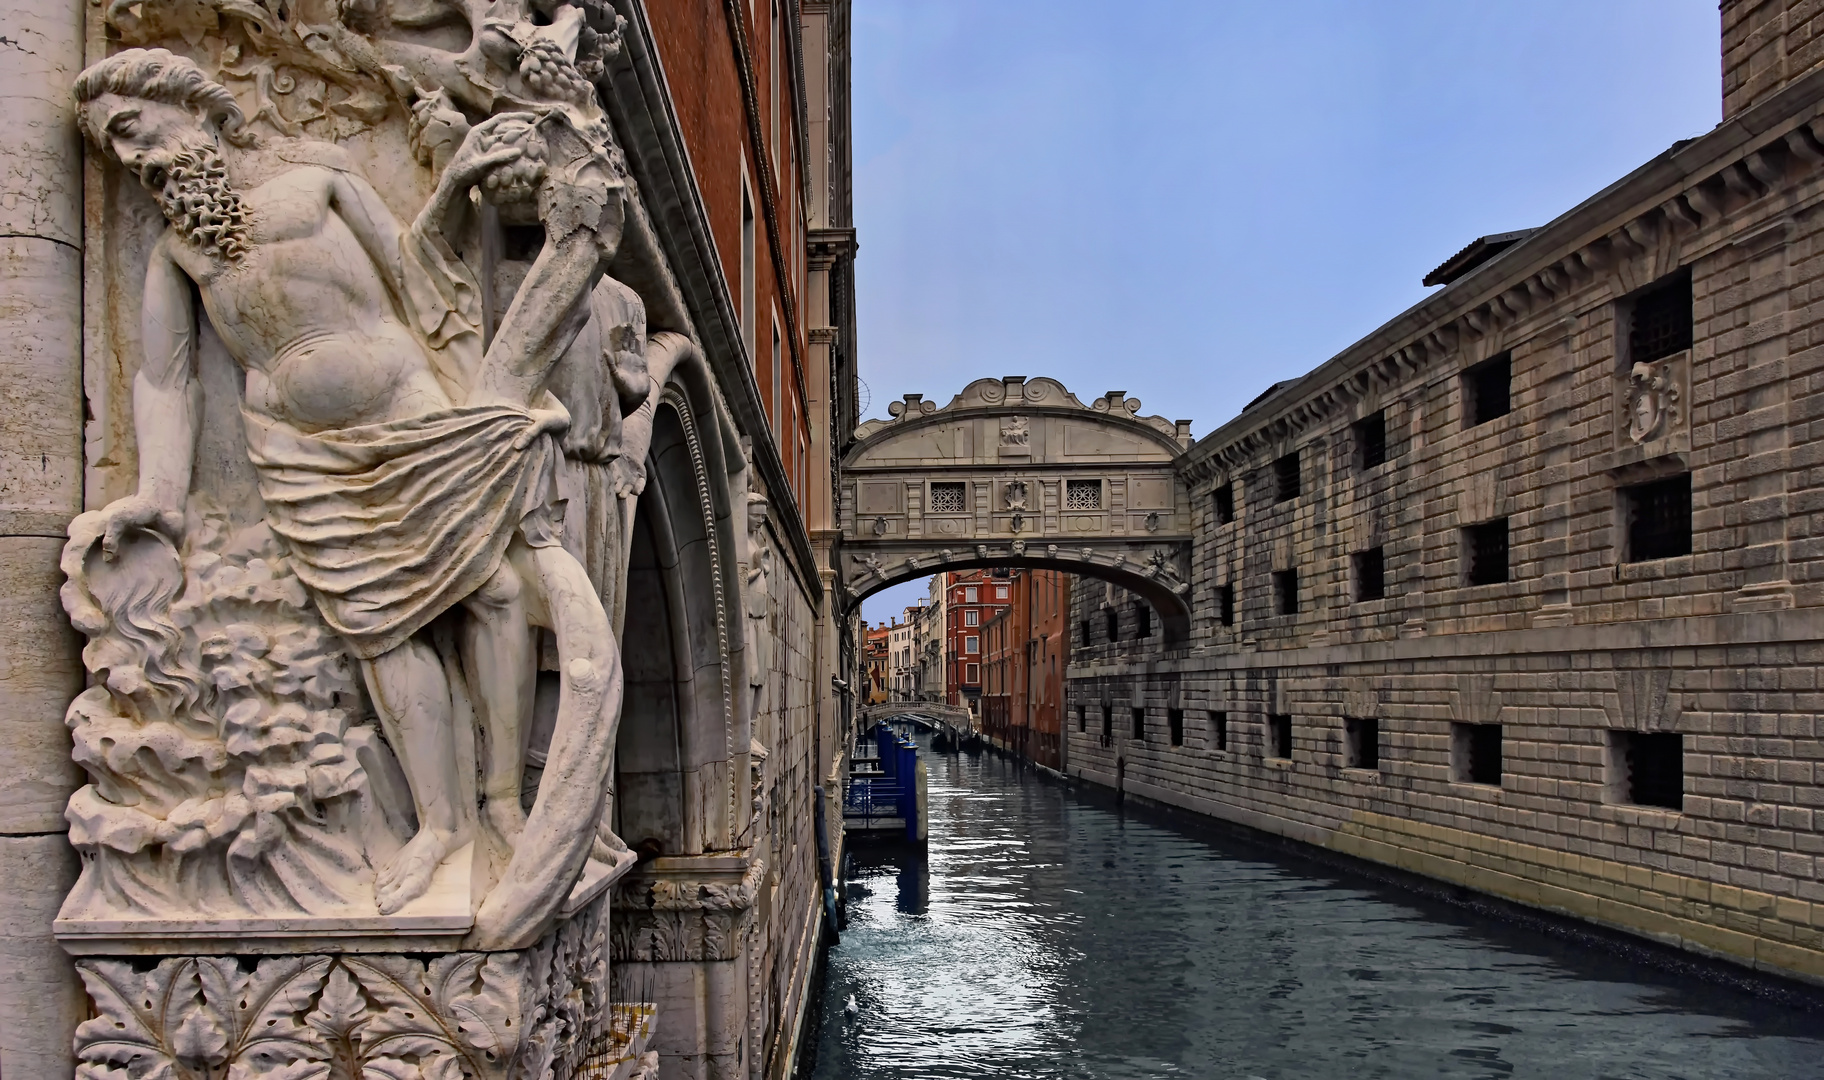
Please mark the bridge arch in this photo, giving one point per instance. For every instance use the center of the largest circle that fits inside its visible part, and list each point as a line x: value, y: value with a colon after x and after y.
x: 1019, y: 472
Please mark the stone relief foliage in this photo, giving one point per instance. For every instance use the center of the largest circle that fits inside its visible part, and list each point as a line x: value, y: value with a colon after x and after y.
x: 220, y: 737
x: 665, y: 919
x: 460, y: 1016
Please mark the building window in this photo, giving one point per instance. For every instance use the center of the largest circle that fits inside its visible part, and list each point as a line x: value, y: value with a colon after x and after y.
x: 1225, y: 504
x: 778, y: 382
x: 969, y: 595
x: 1279, y: 735
x: 1285, y: 477
x: 1225, y: 604
x: 1475, y: 753
x: 1485, y: 553
x: 1000, y: 592
x: 1174, y: 724
x: 1143, y: 621
x: 1083, y: 628
x: 1082, y: 719
x: 1114, y: 624
x: 1659, y: 518
x: 947, y: 497
x: 1487, y: 390
x: 1108, y: 724
x: 972, y: 617
x: 1082, y: 494
x: 974, y: 674
x: 1648, y: 768
x: 747, y: 271
x: 1219, y: 729
x: 1362, y: 739
x: 1285, y: 591
x: 1370, y: 574
x: 1371, y: 440
x: 972, y: 645
x: 1661, y: 323
x: 1139, y: 724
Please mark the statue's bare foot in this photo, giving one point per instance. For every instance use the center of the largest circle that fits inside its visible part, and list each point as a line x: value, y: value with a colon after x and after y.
x: 506, y: 818
x: 408, y: 875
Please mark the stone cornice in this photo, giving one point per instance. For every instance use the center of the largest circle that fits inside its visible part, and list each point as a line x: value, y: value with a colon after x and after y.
x: 1016, y: 393
x: 1682, y: 200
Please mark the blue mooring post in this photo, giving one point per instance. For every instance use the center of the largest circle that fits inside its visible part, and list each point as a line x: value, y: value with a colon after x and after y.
x: 908, y: 787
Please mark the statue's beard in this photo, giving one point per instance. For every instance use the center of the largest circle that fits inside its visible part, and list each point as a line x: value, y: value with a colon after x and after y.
x: 192, y: 189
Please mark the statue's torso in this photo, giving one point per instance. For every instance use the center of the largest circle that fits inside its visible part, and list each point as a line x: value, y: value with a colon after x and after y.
x: 307, y: 313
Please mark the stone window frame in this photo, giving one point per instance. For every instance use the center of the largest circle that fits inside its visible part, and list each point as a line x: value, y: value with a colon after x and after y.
x: 959, y: 487
x: 1225, y: 604
x: 1367, y: 568
x: 1137, y: 714
x: 1174, y: 726
x: 1277, y: 739
x: 1074, y: 486
x: 1362, y: 744
x: 1475, y: 384
x: 1219, y: 730
x: 1285, y: 592
x: 1470, y: 538
x: 1288, y: 479
x: 1626, y: 495
x: 1368, y: 438
x: 1222, y: 504
x: 1469, y: 748
x: 1622, y: 751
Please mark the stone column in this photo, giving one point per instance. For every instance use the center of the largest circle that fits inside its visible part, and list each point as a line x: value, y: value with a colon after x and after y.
x: 40, y: 490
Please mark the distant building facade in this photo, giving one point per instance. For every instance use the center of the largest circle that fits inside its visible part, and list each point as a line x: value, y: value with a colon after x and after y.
x: 1025, y: 649
x: 974, y: 597
x: 1525, y: 590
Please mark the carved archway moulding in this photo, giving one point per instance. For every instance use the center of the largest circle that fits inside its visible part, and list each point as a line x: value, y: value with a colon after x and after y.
x: 1020, y: 472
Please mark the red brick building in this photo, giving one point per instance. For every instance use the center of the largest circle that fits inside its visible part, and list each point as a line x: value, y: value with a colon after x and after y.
x: 973, y: 597
x: 1025, y: 650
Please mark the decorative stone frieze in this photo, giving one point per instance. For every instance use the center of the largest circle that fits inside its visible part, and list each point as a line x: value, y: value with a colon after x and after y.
x: 686, y: 909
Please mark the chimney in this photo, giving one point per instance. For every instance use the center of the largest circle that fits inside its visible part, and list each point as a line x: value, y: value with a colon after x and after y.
x: 1766, y: 45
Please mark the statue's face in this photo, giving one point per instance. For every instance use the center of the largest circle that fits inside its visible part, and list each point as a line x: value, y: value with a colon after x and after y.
x: 146, y: 135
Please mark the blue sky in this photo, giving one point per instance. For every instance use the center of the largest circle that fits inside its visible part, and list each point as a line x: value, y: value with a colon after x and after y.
x: 1190, y: 200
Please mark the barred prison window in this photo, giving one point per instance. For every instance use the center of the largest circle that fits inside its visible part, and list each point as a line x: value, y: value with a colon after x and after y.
x: 1285, y: 591
x: 1143, y: 621
x: 1285, y: 477
x: 1362, y: 738
x: 1371, y: 440
x: 947, y: 498
x: 1140, y: 724
x: 1108, y: 725
x: 1485, y: 551
x: 1279, y: 735
x: 1370, y: 574
x: 1225, y: 504
x: 1475, y: 753
x: 1219, y: 729
x: 1082, y: 494
x: 1659, y: 518
x: 1487, y: 389
x: 1174, y: 724
x: 1225, y: 604
x: 1655, y: 764
x: 1114, y: 624
x: 1660, y: 323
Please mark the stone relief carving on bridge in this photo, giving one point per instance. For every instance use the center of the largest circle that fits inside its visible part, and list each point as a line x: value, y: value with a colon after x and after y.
x: 312, y: 701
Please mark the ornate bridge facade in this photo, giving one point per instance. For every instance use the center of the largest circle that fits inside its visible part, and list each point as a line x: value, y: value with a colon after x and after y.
x: 1018, y: 472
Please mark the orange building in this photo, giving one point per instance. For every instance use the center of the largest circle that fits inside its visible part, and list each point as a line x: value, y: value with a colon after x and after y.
x: 875, y: 662
x: 972, y: 598
x: 1025, y: 650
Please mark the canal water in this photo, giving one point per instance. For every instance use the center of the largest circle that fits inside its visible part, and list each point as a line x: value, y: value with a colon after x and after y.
x: 1047, y: 935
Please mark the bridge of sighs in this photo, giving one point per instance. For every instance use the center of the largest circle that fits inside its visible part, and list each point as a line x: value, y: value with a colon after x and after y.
x: 1020, y: 472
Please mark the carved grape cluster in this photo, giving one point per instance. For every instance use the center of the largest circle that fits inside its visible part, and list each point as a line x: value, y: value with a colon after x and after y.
x: 550, y: 74
x: 518, y: 180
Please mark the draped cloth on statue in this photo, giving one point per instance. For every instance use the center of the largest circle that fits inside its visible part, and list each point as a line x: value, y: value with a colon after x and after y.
x: 391, y: 524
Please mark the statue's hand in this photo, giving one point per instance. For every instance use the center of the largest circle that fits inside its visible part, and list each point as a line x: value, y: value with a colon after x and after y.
x: 490, y: 144
x: 139, y: 512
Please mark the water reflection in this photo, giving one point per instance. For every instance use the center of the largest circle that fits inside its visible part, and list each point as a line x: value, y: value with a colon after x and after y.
x: 1046, y: 936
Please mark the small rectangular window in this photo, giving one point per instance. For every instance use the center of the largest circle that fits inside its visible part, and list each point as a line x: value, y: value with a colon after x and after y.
x: 1108, y: 724
x: 1114, y: 624
x: 947, y: 497
x: 1082, y: 719
x: 1475, y: 753
x: 972, y: 645
x: 975, y: 674
x: 1285, y: 591
x: 1225, y: 504
x: 1649, y: 768
x: 1139, y: 724
x: 1370, y: 574
x: 1174, y: 723
x: 972, y: 617
x: 1485, y: 553
x: 1219, y: 729
x: 1083, y: 630
x: 1082, y: 494
x: 1285, y: 477
x: 1659, y: 518
x: 1371, y: 440
x: 1143, y: 621
x: 1487, y: 390
x: 1661, y: 322
x: 1362, y: 735
x: 970, y: 596
x: 1000, y: 592
x: 1225, y: 604
x: 1279, y: 735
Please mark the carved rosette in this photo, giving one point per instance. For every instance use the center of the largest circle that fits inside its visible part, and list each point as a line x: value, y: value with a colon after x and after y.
x: 666, y: 917
x: 525, y: 1015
